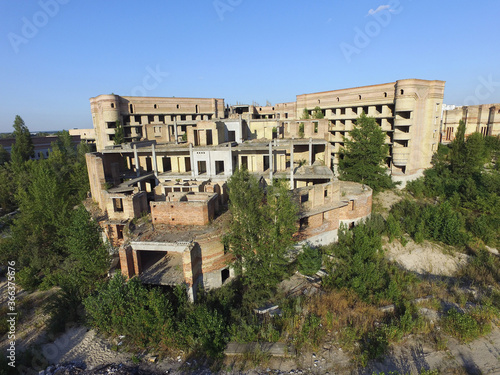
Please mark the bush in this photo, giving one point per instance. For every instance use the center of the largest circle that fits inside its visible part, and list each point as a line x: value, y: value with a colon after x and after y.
x: 467, y: 326
x: 309, y: 260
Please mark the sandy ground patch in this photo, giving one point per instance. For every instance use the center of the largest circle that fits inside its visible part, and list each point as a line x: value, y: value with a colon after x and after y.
x: 425, y: 258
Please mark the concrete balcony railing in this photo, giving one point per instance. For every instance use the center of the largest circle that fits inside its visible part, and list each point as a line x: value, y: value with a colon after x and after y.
x: 400, y: 121
x: 400, y: 156
x: 399, y: 135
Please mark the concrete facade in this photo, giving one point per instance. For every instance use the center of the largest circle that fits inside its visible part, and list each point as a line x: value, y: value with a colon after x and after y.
x: 484, y: 119
x: 408, y: 111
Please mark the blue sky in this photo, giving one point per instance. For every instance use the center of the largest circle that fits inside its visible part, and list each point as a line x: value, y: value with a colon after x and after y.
x: 56, y: 54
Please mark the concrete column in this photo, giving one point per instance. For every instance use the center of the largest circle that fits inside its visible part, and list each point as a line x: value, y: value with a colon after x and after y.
x: 136, y: 162
x: 310, y: 151
x: 230, y: 166
x: 137, y: 262
x: 175, y: 132
x: 191, y: 159
x: 153, y: 155
x: 271, y: 162
x: 292, y: 184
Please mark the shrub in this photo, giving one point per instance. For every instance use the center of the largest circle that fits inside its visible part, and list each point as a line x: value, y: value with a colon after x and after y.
x: 466, y: 326
x: 309, y: 260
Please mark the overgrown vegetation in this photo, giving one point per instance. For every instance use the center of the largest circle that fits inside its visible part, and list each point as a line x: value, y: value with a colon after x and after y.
x: 52, y: 241
x: 363, y: 156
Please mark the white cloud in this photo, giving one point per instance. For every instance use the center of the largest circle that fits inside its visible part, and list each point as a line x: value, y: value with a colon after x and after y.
x: 371, y: 12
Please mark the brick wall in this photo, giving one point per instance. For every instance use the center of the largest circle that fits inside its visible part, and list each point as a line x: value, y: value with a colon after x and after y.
x: 183, y: 212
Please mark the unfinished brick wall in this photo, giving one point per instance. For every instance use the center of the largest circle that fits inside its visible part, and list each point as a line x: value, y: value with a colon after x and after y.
x: 184, y: 210
x: 125, y: 206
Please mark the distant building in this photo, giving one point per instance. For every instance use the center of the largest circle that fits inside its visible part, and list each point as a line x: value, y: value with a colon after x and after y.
x: 43, y: 145
x: 483, y: 118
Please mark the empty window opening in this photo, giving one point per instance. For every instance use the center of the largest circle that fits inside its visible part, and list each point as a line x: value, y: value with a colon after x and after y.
x: 338, y: 99
x: 266, y: 162
x: 111, y: 124
x: 119, y: 232
x: 118, y: 204
x: 378, y: 109
x: 138, y: 119
x: 149, y: 166
x: 402, y: 92
x: 326, y: 193
x: 209, y: 137
x: 183, y: 117
x: 342, y: 111
x: 304, y: 223
x: 231, y: 136
x: 359, y: 97
x: 131, y: 108
x: 365, y: 110
x: 196, y: 108
x: 202, y: 167
x: 315, y: 127
x: 167, y: 164
x: 112, y: 105
x: 385, y: 95
x: 304, y: 198
x: 178, y: 106
x: 351, y: 225
x: 219, y: 167
x: 244, y: 162
x: 187, y: 164
x: 151, y: 118
x: 224, y: 275
x: 286, y: 114
x: 155, y: 106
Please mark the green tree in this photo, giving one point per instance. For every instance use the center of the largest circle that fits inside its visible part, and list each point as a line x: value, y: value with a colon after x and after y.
x: 119, y: 133
x: 305, y: 114
x: 363, y: 155
x: 4, y: 155
x: 318, y: 113
x: 260, y: 232
x: 458, y: 154
x: 22, y: 149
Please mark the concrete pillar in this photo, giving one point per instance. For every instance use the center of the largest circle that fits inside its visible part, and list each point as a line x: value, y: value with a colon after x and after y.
x: 271, y: 162
x: 137, y: 262
x: 153, y: 155
x: 175, y: 132
x: 191, y: 159
x: 310, y: 150
x: 292, y: 184
x: 136, y: 162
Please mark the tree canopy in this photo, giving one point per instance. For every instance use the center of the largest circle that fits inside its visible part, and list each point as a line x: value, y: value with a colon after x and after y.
x: 363, y: 155
x: 261, y: 230
x: 22, y: 149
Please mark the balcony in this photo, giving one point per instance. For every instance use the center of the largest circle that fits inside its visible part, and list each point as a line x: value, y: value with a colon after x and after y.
x: 400, y: 156
x: 402, y: 134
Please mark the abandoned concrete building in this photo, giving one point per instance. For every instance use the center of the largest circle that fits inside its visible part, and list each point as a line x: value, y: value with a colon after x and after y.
x: 409, y: 111
x: 179, y: 153
x: 483, y: 118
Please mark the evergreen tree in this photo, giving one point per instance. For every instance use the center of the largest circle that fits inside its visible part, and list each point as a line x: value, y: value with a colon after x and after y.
x: 119, y: 133
x: 22, y: 149
x: 260, y: 233
x: 4, y: 155
x: 363, y: 155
